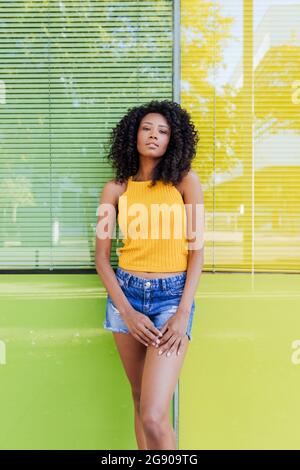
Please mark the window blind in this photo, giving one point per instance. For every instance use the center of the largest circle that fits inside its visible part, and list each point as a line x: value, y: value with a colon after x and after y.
x: 68, y: 72
x: 240, y: 81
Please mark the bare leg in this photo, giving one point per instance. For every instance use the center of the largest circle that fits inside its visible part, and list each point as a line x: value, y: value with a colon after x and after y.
x: 132, y: 353
x: 139, y: 431
x: 160, y: 376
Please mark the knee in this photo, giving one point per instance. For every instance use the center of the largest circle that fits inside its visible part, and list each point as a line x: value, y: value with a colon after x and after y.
x: 153, y: 421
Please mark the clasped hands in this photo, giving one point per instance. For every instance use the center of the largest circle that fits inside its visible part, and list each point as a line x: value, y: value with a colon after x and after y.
x: 167, y: 340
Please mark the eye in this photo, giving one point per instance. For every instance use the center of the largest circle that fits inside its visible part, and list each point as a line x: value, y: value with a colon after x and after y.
x: 147, y: 129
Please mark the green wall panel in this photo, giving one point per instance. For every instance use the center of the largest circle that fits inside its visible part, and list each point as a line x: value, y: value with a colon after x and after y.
x: 62, y: 382
x: 240, y: 385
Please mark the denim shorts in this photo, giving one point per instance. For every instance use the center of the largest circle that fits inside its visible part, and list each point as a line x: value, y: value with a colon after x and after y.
x: 157, y: 298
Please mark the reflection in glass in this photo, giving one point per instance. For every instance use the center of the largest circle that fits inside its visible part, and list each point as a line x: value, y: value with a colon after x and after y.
x: 240, y: 81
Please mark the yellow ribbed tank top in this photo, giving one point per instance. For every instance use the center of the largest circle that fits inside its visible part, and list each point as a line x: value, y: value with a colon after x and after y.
x: 152, y: 224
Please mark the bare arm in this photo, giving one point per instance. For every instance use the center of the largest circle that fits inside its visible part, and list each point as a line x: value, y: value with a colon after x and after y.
x: 193, y: 198
x: 109, y: 197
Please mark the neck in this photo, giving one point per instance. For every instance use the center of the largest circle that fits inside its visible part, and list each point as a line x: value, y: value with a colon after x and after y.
x: 141, y: 177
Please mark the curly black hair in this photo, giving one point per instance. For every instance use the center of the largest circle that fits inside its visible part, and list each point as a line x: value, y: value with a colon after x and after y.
x: 176, y: 161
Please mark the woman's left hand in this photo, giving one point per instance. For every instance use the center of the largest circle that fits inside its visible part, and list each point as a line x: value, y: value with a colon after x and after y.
x: 173, y: 331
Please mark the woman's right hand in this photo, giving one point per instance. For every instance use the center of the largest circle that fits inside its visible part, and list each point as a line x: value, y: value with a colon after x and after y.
x: 142, y: 328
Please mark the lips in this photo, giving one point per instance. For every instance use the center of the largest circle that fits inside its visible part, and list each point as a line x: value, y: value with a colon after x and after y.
x: 152, y: 143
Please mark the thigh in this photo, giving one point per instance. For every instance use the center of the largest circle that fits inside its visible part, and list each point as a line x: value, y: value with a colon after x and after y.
x: 132, y: 353
x: 160, y: 376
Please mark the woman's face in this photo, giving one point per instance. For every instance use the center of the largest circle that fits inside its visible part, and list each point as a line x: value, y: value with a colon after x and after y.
x: 153, y: 128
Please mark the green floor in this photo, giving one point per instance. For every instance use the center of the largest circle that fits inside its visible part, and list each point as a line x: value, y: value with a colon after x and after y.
x: 63, y: 386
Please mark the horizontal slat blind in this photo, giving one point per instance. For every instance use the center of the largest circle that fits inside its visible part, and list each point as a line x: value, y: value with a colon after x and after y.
x: 277, y: 136
x: 68, y: 72
x: 240, y: 81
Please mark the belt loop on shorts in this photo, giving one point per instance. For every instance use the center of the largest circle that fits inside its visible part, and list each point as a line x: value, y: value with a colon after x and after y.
x: 126, y: 280
x: 163, y: 281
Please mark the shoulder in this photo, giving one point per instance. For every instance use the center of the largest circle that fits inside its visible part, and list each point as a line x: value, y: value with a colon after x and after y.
x: 190, y: 178
x: 112, y: 190
x: 191, y: 186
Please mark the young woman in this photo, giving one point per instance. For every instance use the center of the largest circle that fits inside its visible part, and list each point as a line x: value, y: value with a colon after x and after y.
x: 150, y: 303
